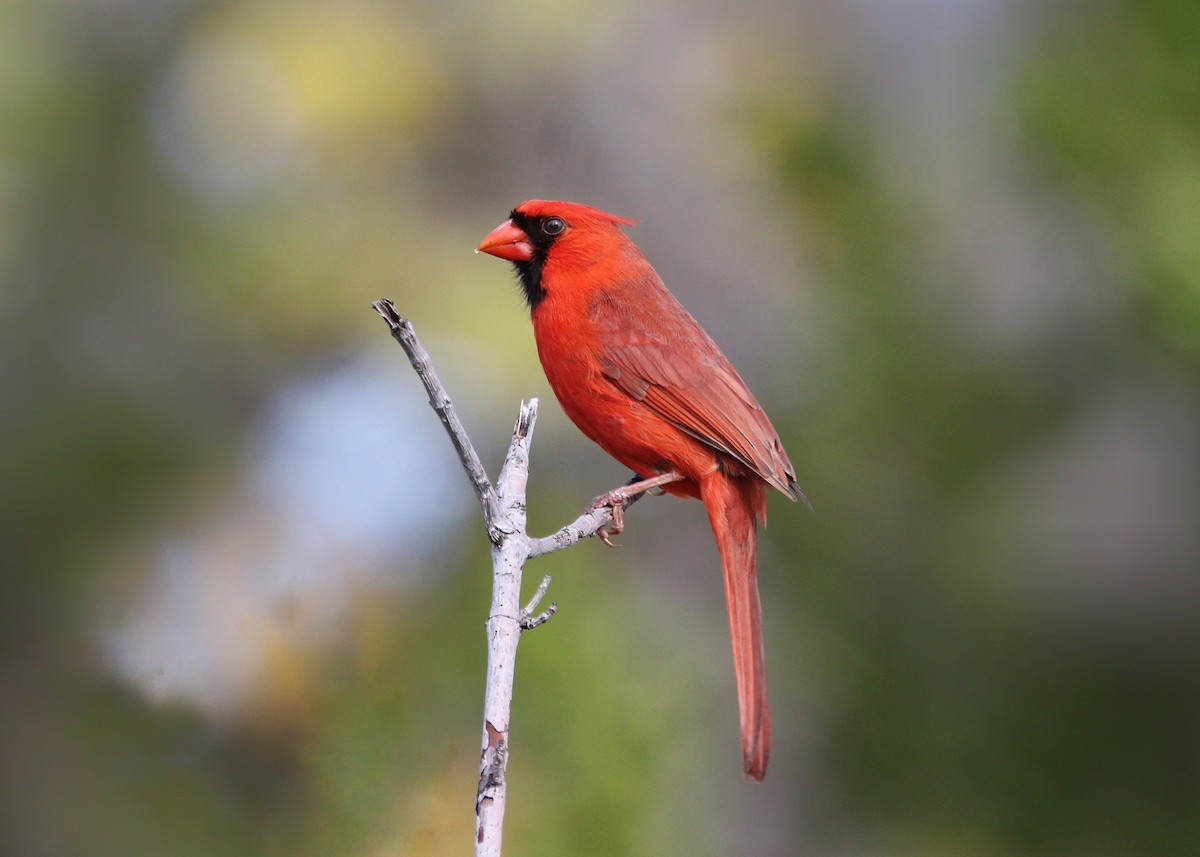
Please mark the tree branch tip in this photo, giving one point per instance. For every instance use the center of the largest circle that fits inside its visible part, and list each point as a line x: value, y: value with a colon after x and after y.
x: 526, y: 419
x: 538, y: 595
x: 387, y: 310
x: 526, y: 619
x: 528, y: 623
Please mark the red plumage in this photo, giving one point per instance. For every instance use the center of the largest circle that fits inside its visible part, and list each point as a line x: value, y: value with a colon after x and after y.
x: 640, y: 377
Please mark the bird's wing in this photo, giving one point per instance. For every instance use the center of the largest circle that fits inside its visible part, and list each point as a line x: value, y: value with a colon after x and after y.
x: 674, y: 368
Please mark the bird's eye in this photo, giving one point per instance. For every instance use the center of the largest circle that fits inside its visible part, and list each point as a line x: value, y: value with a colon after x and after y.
x: 553, y: 225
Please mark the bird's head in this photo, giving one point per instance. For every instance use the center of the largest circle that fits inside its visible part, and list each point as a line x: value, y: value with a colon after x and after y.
x: 573, y: 235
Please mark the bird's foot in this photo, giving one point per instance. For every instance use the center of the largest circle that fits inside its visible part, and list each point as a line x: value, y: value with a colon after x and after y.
x: 619, y: 499
x: 615, y: 501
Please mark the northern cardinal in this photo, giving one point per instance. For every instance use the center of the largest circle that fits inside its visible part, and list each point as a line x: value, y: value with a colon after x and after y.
x: 640, y: 377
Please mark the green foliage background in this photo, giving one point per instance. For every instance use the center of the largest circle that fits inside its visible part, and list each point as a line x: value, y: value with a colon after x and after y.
x: 955, y: 248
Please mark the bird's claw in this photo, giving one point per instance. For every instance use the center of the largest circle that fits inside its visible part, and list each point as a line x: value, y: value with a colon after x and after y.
x: 615, y: 502
x: 618, y: 498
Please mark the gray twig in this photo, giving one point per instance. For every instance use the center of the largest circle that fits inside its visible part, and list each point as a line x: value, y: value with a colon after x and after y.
x: 527, y: 619
x: 504, y: 514
x: 402, y: 332
x: 583, y: 527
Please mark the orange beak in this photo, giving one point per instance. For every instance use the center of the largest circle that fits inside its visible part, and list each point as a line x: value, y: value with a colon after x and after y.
x: 508, y: 241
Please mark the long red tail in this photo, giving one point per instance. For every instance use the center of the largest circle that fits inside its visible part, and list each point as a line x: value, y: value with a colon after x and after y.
x: 734, y: 507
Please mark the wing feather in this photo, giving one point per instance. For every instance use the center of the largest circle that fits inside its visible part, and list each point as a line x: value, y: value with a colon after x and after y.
x: 677, y: 370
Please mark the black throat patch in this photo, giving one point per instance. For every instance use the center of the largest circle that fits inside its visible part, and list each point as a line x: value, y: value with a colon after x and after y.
x: 530, y: 271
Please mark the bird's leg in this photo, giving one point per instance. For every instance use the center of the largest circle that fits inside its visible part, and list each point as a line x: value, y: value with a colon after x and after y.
x: 618, y: 508
x: 619, y: 498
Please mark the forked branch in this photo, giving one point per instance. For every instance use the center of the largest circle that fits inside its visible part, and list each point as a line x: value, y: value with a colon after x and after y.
x: 504, y: 516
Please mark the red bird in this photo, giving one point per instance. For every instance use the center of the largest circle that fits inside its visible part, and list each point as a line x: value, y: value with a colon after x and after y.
x: 641, y: 378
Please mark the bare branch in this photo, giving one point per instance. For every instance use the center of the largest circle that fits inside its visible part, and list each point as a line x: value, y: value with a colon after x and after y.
x: 528, y: 623
x: 585, y: 526
x: 402, y: 332
x: 537, y: 596
x: 504, y: 626
x: 504, y: 514
x: 527, y: 619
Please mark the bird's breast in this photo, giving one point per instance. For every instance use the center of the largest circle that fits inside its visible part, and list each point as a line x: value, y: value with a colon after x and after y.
x: 623, y: 426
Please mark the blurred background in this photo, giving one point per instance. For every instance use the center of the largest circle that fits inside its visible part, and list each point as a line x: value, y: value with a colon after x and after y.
x: 953, y: 246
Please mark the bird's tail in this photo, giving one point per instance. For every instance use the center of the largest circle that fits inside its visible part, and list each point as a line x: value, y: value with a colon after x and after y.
x: 734, y: 507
